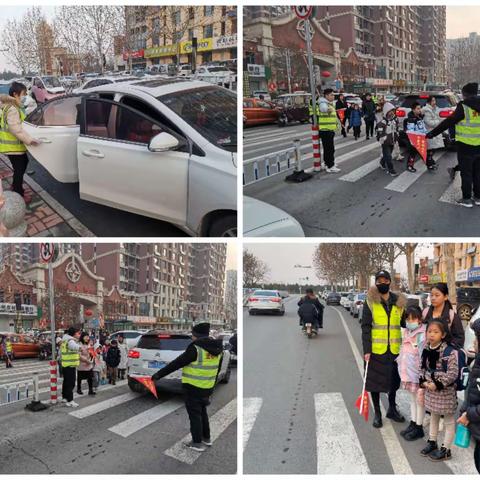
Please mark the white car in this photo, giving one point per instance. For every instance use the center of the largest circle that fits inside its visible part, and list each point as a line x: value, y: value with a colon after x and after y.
x: 263, y: 220
x: 130, y: 337
x: 164, y: 148
x: 97, y: 82
x: 265, y: 301
x: 154, y: 350
x: 343, y: 298
x: 217, y: 75
x: 184, y: 70
x: 357, y: 303
x: 347, y: 301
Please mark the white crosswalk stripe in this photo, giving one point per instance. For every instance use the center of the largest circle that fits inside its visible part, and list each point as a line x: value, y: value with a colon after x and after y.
x: 251, y: 409
x: 219, y: 422
x: 105, y: 405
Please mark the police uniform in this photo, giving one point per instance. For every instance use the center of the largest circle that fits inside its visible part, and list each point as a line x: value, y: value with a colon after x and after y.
x: 327, y: 125
x: 70, y: 358
x: 8, y: 353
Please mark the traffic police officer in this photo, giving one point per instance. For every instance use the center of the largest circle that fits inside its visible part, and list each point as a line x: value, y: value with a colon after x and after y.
x: 8, y: 351
x: 327, y: 124
x: 200, y: 364
x: 466, y: 119
x: 381, y: 339
x: 70, y: 358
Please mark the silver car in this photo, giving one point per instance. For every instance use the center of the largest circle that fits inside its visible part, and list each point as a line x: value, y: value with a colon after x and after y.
x: 265, y: 301
x: 357, y: 302
x: 154, y: 350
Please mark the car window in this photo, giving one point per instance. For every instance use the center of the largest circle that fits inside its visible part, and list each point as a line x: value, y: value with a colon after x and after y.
x: 51, y: 82
x: 131, y: 335
x: 156, y: 342
x: 199, y: 107
x: 248, y: 104
x: 58, y: 112
x: 38, y: 83
x: 265, y: 105
x: 442, y: 101
x: 28, y: 340
x: 263, y: 293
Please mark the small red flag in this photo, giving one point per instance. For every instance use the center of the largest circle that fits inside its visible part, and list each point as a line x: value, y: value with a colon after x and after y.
x: 148, y: 383
x: 341, y: 114
x: 419, y: 142
x: 362, y: 405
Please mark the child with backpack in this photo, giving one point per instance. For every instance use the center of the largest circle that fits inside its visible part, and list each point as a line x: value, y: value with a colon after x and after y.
x: 356, y: 120
x: 113, y: 360
x: 413, y: 343
x: 387, y: 135
x: 438, y: 376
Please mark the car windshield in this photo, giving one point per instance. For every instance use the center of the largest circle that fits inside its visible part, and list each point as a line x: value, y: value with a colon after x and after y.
x: 164, y: 342
x: 265, y: 293
x: 442, y: 101
x: 212, y: 111
x: 51, y: 82
x: 361, y: 296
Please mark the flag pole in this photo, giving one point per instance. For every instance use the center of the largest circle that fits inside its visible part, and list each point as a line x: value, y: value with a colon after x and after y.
x: 363, y: 388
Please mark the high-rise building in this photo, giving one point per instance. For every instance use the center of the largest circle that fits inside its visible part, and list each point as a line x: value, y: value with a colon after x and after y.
x: 231, y: 298
x: 251, y: 12
x: 466, y: 264
x: 463, y: 60
x: 18, y: 255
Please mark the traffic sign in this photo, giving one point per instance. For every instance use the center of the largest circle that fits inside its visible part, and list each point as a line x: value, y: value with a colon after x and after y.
x: 303, y: 12
x: 47, y: 251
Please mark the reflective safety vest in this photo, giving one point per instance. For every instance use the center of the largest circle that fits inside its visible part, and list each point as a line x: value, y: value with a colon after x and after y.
x: 328, y: 120
x: 310, y: 108
x: 385, y: 332
x: 70, y: 358
x: 9, y: 143
x: 468, y: 130
x: 203, y: 371
x: 9, y: 346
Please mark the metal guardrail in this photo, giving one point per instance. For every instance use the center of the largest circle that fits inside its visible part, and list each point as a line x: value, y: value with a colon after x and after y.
x: 15, y: 392
x: 271, y: 164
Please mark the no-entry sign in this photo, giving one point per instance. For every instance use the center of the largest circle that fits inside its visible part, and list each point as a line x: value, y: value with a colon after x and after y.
x: 303, y: 12
x: 47, y: 250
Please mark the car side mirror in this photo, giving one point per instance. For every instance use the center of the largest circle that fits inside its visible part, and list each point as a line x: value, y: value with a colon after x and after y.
x: 163, y: 142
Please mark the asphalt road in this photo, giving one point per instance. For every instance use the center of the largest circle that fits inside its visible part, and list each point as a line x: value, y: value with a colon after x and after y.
x: 116, y: 432
x: 299, y: 397
x: 100, y: 220
x: 362, y: 200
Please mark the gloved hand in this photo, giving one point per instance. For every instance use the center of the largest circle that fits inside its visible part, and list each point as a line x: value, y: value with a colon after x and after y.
x: 429, y: 135
x: 155, y: 376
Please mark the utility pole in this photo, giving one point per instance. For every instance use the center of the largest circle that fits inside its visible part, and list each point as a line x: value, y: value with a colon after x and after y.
x: 289, y: 70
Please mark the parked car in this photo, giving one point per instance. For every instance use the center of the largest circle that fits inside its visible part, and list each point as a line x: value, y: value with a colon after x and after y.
x: 220, y: 75
x: 154, y: 350
x: 265, y: 301
x: 356, y: 304
x: 97, y: 82
x: 293, y: 107
x: 344, y: 298
x: 46, y: 88
x: 333, y: 298
x: 347, y: 301
x: 468, y: 298
x: 175, y: 138
x: 259, y: 112
x: 416, y: 300
x: 131, y: 336
x: 23, y: 346
x: 263, y: 220
x: 184, y: 70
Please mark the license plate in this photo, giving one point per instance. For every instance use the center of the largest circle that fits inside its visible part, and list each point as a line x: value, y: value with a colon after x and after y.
x: 156, y: 364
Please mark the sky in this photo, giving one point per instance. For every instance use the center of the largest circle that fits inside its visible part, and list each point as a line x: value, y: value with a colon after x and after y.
x: 281, y: 259
x: 462, y: 20
x: 231, y: 256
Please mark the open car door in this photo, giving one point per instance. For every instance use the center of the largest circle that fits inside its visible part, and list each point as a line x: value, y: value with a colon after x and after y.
x: 57, y: 125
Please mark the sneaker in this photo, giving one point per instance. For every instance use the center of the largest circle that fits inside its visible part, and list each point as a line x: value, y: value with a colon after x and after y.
x: 415, y: 434
x: 198, y: 447
x: 440, y: 455
x: 79, y: 392
x: 476, y: 201
x: 72, y: 404
x: 434, y: 166
x: 207, y: 442
x: 411, y: 169
x: 92, y: 393
x: 451, y: 173
x: 465, y: 202
x: 393, y: 173
x: 64, y: 400
x: 411, y: 426
x: 431, y: 447
x: 333, y: 169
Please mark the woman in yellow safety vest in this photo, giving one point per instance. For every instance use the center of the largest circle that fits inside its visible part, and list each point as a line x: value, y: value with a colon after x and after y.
x: 7, y: 348
x: 381, y: 338
x: 13, y: 139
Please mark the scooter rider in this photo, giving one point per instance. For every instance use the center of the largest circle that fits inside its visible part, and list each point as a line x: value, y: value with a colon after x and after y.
x: 312, y: 315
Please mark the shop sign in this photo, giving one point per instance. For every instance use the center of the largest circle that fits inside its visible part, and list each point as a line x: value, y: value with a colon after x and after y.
x: 136, y: 54
x: 471, y: 250
x: 461, y: 276
x: 424, y: 278
x: 474, y: 274
x: 439, y: 277
x: 379, y: 82
x: 256, y: 70
x: 164, y: 51
x: 141, y: 319
x: 225, y: 41
x: 203, y: 45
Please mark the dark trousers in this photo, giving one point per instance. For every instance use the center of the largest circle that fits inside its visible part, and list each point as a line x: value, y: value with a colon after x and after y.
x: 197, y: 413
x: 85, y: 375
x: 68, y: 385
x: 19, y: 165
x: 476, y: 455
x: 356, y: 131
x: 369, y: 124
x: 392, y: 394
x: 344, y: 132
x: 470, y: 174
x: 327, y: 136
x: 386, y: 160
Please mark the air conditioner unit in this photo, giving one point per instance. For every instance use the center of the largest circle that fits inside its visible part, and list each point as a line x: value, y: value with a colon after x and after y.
x: 3, y: 307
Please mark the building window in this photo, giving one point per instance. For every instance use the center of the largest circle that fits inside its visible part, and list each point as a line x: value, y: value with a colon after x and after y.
x: 207, y: 11
x: 177, y: 17
x: 190, y: 34
x: 208, y: 31
x: 191, y: 13
x: 222, y: 28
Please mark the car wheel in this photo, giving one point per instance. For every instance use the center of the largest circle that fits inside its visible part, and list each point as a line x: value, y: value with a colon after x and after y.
x: 224, y: 227
x: 135, y: 386
x: 282, y: 313
x: 465, y: 313
x: 226, y: 377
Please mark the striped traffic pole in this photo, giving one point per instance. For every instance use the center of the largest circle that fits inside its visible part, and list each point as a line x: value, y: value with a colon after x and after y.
x: 53, y: 381
x: 317, y: 166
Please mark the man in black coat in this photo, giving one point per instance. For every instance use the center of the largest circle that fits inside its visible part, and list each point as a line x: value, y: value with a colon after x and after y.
x: 196, y: 399
x: 308, y: 315
x: 369, y: 108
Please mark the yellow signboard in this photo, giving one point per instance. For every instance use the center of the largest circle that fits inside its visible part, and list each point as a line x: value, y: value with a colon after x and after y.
x: 203, y: 45
x: 164, y: 51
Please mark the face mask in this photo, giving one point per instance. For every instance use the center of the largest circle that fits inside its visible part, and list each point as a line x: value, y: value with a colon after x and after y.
x: 383, y: 287
x: 412, y: 326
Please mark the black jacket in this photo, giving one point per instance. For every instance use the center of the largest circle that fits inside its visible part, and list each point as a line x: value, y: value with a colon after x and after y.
x: 316, y: 303
x: 369, y: 108
x: 471, y: 405
x: 113, y: 357
x: 339, y: 105
x: 457, y: 116
x: 456, y: 332
x: 212, y: 346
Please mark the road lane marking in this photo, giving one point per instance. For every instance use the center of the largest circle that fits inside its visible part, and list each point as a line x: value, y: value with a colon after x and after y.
x: 144, y: 419
x: 105, y: 405
x: 361, y: 172
x: 251, y: 407
x: 220, y: 421
x: 355, y: 153
x: 338, y: 448
x: 453, y: 191
x: 396, y: 454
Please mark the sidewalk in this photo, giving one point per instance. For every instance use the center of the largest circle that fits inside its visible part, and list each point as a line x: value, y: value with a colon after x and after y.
x: 45, y: 216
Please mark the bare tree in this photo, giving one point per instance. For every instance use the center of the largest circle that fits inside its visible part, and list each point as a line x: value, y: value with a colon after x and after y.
x: 254, y: 270
x: 449, y: 253
x: 408, y: 249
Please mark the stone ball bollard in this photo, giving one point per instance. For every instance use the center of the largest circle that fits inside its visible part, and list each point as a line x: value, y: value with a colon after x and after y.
x: 12, y: 214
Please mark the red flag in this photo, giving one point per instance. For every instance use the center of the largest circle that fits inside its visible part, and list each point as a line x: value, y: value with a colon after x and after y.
x: 362, y: 405
x: 341, y: 114
x: 419, y: 142
x: 148, y: 383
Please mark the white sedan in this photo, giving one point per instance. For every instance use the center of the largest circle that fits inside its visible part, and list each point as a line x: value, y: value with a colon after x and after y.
x: 265, y: 301
x: 216, y: 74
x: 263, y: 220
x: 163, y: 148
x: 99, y: 81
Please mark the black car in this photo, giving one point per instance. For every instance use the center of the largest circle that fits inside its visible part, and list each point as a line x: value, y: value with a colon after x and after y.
x: 468, y: 298
x: 333, y: 298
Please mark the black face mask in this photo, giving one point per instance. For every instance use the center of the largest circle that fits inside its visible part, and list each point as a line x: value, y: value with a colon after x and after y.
x: 383, y: 287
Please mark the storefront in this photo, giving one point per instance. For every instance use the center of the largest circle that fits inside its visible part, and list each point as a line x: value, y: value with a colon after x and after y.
x: 437, y: 278
x: 137, y: 59
x: 474, y: 275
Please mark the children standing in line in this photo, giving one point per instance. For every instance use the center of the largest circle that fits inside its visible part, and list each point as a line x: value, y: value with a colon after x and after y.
x: 409, y: 369
x: 439, y: 372
x: 387, y: 135
x: 356, y: 120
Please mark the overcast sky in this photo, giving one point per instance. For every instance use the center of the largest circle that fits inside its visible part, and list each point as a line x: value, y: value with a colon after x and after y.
x: 462, y: 20
x: 281, y: 259
x: 231, y: 256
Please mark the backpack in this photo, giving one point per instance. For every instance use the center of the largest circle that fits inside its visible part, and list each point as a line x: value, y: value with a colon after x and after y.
x: 463, y: 370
